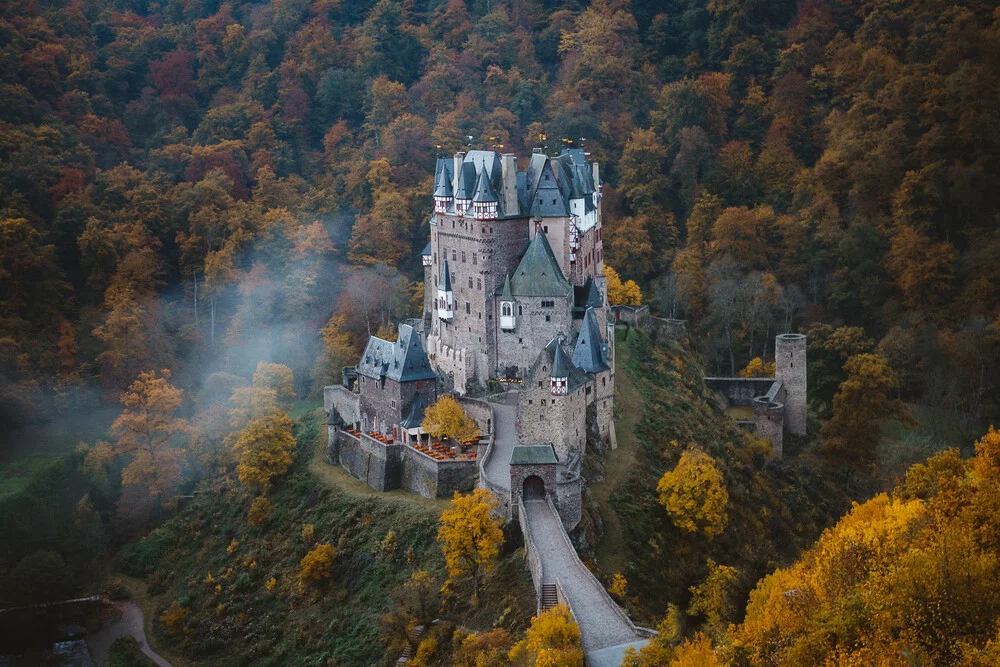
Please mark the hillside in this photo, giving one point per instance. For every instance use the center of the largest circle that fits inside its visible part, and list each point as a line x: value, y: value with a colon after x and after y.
x: 233, y: 618
x: 775, y: 508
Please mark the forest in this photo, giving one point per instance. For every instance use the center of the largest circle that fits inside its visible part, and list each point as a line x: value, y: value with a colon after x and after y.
x: 206, y: 208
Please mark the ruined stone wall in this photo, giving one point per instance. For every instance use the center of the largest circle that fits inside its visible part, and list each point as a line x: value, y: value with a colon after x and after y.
x: 740, y: 391
x: 769, y: 422
x: 377, y: 465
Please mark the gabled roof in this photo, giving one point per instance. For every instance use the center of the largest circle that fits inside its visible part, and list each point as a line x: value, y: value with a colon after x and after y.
x: 484, y: 189
x: 586, y: 296
x: 590, y: 354
x: 427, y: 250
x: 403, y: 360
x: 538, y: 273
x: 445, y: 284
x: 415, y: 417
x: 554, y: 357
x: 547, y: 199
x: 533, y: 455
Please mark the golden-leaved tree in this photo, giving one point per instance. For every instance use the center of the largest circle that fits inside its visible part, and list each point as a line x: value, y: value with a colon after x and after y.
x: 911, y: 576
x: 264, y: 439
x: 447, y: 419
x: 148, y: 432
x: 552, y: 639
x: 694, y: 494
x: 470, y: 536
x: 619, y: 293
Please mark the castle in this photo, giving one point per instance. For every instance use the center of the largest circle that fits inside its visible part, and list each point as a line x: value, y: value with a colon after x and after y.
x: 514, y: 292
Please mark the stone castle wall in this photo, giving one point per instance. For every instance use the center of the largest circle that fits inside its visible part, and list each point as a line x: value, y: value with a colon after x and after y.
x: 431, y: 478
x: 532, y: 331
x: 344, y: 402
x: 569, y: 500
x: 377, y: 465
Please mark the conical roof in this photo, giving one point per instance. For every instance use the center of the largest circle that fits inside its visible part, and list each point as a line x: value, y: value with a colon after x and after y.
x: 590, y: 351
x: 442, y: 185
x: 560, y: 366
x: 538, y: 273
x: 415, y: 417
x: 445, y: 284
x: 484, y: 189
x: 507, y: 295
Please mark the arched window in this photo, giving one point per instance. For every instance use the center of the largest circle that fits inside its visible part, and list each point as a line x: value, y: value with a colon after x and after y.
x: 506, y: 310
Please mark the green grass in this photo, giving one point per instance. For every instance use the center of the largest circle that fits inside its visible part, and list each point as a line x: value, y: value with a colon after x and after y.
x: 337, y: 622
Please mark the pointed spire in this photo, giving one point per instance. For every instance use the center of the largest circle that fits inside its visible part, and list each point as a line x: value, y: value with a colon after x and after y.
x: 560, y: 366
x: 442, y: 187
x: 484, y: 189
x: 507, y: 295
x: 445, y: 278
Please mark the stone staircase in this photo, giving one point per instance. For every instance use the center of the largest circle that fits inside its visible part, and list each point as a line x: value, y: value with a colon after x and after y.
x: 415, y: 636
x: 549, y: 596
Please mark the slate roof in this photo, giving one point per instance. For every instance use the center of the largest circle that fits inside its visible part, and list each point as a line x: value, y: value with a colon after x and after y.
x: 590, y: 354
x: 442, y: 186
x: 538, y: 273
x: 576, y: 377
x: 415, y: 417
x: 507, y: 295
x: 484, y: 189
x: 445, y: 284
x: 403, y: 360
x: 586, y: 296
x: 466, y: 181
x: 560, y: 367
x: 427, y: 250
x: 533, y: 455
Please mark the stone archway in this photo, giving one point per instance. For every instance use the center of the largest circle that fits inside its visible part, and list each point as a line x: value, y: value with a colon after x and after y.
x: 533, y: 488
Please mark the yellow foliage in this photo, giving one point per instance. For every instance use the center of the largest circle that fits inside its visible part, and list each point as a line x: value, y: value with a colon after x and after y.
x: 270, y: 584
x: 711, y: 597
x: 174, y: 617
x: 694, y: 494
x: 619, y: 585
x: 233, y: 546
x: 470, y: 535
x: 619, y: 293
x: 487, y: 649
x: 553, y: 639
x: 264, y: 447
x: 260, y: 511
x: 308, y: 534
x: 447, y: 419
x: 317, y: 565
x: 209, y: 579
x: 758, y: 369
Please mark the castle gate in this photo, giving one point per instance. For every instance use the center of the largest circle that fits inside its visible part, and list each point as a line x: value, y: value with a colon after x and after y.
x: 534, y: 488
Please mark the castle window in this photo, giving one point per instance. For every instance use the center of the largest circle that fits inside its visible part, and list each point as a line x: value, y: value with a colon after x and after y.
x: 393, y: 404
x: 474, y: 256
x: 548, y: 318
x: 520, y: 340
x: 530, y: 401
x: 479, y: 282
x: 543, y: 401
x: 548, y: 304
x: 463, y: 257
x: 539, y: 384
x: 506, y: 310
x: 604, y: 382
x: 470, y: 282
x: 541, y: 418
x: 546, y: 177
x: 545, y: 228
x: 468, y: 308
x: 520, y: 311
x: 588, y: 391
x: 453, y: 224
x: 553, y: 201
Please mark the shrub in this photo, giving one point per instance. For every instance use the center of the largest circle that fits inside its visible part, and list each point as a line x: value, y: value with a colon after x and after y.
x: 260, y: 511
x: 317, y: 565
x: 174, y: 617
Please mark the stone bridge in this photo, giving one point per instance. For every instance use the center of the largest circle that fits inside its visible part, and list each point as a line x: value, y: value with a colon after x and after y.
x: 556, y: 570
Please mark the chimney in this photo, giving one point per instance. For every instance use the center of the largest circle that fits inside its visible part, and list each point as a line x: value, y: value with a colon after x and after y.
x: 459, y: 156
x: 597, y: 178
x: 536, y: 151
x: 508, y: 164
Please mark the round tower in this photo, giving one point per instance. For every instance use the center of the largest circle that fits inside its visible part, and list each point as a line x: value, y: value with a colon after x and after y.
x: 790, y: 359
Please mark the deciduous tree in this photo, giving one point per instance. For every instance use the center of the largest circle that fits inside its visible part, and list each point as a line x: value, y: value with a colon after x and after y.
x: 447, y: 419
x: 470, y: 536
x: 694, y: 494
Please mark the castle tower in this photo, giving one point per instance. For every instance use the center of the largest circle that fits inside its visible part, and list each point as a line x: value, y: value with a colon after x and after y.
x: 507, y: 317
x: 559, y: 379
x: 790, y: 358
x: 445, y: 295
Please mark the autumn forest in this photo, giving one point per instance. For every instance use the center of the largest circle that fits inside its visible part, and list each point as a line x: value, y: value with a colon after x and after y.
x: 207, y: 206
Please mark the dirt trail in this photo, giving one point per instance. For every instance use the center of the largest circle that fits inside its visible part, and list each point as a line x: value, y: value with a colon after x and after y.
x: 129, y: 622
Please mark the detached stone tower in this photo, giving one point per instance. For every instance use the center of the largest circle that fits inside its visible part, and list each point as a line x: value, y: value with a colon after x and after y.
x: 790, y: 357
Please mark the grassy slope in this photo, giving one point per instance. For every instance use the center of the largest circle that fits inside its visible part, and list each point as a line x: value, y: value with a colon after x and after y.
x: 243, y: 623
x: 775, y: 508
